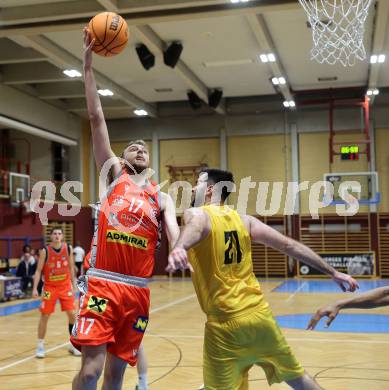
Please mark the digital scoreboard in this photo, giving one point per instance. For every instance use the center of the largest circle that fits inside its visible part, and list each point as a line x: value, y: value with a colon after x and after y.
x: 350, y: 152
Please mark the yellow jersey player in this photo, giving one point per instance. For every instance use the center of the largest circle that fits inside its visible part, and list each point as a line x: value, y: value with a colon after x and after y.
x: 240, y: 330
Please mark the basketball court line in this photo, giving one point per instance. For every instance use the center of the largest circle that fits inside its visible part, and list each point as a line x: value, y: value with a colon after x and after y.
x: 157, y: 309
x: 324, y: 286
x: 297, y: 290
x: 21, y: 307
x: 32, y: 357
x: 350, y: 341
x: 176, y: 302
x: 33, y: 304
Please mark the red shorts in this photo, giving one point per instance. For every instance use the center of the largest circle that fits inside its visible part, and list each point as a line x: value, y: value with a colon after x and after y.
x: 112, y: 313
x: 50, y: 295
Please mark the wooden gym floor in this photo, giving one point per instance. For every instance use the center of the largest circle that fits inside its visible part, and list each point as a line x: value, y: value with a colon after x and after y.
x: 340, y: 361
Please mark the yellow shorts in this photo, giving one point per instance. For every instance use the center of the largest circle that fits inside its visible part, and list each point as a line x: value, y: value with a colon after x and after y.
x: 232, y: 347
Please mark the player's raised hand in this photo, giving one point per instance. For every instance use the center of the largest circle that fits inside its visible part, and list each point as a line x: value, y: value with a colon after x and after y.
x: 88, y: 44
x: 178, y: 259
x: 345, y: 282
x: 330, y: 311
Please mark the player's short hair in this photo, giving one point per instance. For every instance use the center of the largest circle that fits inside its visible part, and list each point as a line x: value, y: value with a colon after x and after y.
x: 55, y: 228
x: 136, y: 142
x: 218, y: 175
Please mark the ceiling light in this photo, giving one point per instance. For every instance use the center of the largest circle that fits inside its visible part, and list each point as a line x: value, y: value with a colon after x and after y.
x: 234, y: 1
x: 270, y: 57
x: 278, y: 80
x: 141, y: 112
x: 289, y: 103
x: 105, y: 92
x: 380, y: 58
x: 72, y: 73
x: 373, y: 91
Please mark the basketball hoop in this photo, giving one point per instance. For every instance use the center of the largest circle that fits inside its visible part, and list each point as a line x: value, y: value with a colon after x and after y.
x: 338, y: 28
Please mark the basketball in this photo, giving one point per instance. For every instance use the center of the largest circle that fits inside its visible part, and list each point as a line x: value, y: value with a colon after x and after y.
x: 110, y: 32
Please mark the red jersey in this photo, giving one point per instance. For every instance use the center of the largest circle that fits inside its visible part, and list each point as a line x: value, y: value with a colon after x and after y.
x: 86, y: 263
x: 56, y: 270
x: 128, y: 228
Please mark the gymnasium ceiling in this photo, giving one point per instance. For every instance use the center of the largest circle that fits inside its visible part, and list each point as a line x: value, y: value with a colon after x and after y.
x: 222, y: 43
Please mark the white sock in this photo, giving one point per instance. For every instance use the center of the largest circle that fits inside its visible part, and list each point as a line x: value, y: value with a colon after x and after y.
x: 142, y: 382
x: 41, y: 342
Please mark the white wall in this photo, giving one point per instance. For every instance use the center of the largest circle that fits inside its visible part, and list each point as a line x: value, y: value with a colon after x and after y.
x: 22, y: 107
x: 172, y: 128
x: 209, y: 126
x: 28, y: 109
x: 41, y: 155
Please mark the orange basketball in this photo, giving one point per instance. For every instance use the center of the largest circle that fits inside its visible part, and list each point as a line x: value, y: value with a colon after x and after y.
x: 110, y: 32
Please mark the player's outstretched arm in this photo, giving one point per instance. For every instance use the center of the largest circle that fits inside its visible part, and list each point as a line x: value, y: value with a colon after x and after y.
x: 263, y: 234
x: 100, y: 138
x: 170, y: 219
x: 38, y: 272
x: 196, y: 228
x: 369, y: 300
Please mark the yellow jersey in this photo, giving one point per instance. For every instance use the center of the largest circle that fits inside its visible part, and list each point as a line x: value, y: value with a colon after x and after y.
x: 223, y: 275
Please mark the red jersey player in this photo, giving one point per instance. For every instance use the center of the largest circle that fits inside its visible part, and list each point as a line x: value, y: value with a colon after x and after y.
x: 57, y: 266
x: 141, y: 365
x: 114, y: 305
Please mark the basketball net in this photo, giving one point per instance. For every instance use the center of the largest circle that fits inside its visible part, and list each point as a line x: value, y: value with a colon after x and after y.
x: 338, y: 28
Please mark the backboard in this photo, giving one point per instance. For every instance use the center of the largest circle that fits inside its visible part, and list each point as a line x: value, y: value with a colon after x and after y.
x: 19, y: 188
x: 350, y: 185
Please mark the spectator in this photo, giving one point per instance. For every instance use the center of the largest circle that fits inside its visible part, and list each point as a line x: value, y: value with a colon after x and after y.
x: 79, y: 255
x: 25, y: 270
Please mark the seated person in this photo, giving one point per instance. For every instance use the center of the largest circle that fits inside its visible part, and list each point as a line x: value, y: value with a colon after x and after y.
x: 25, y: 269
